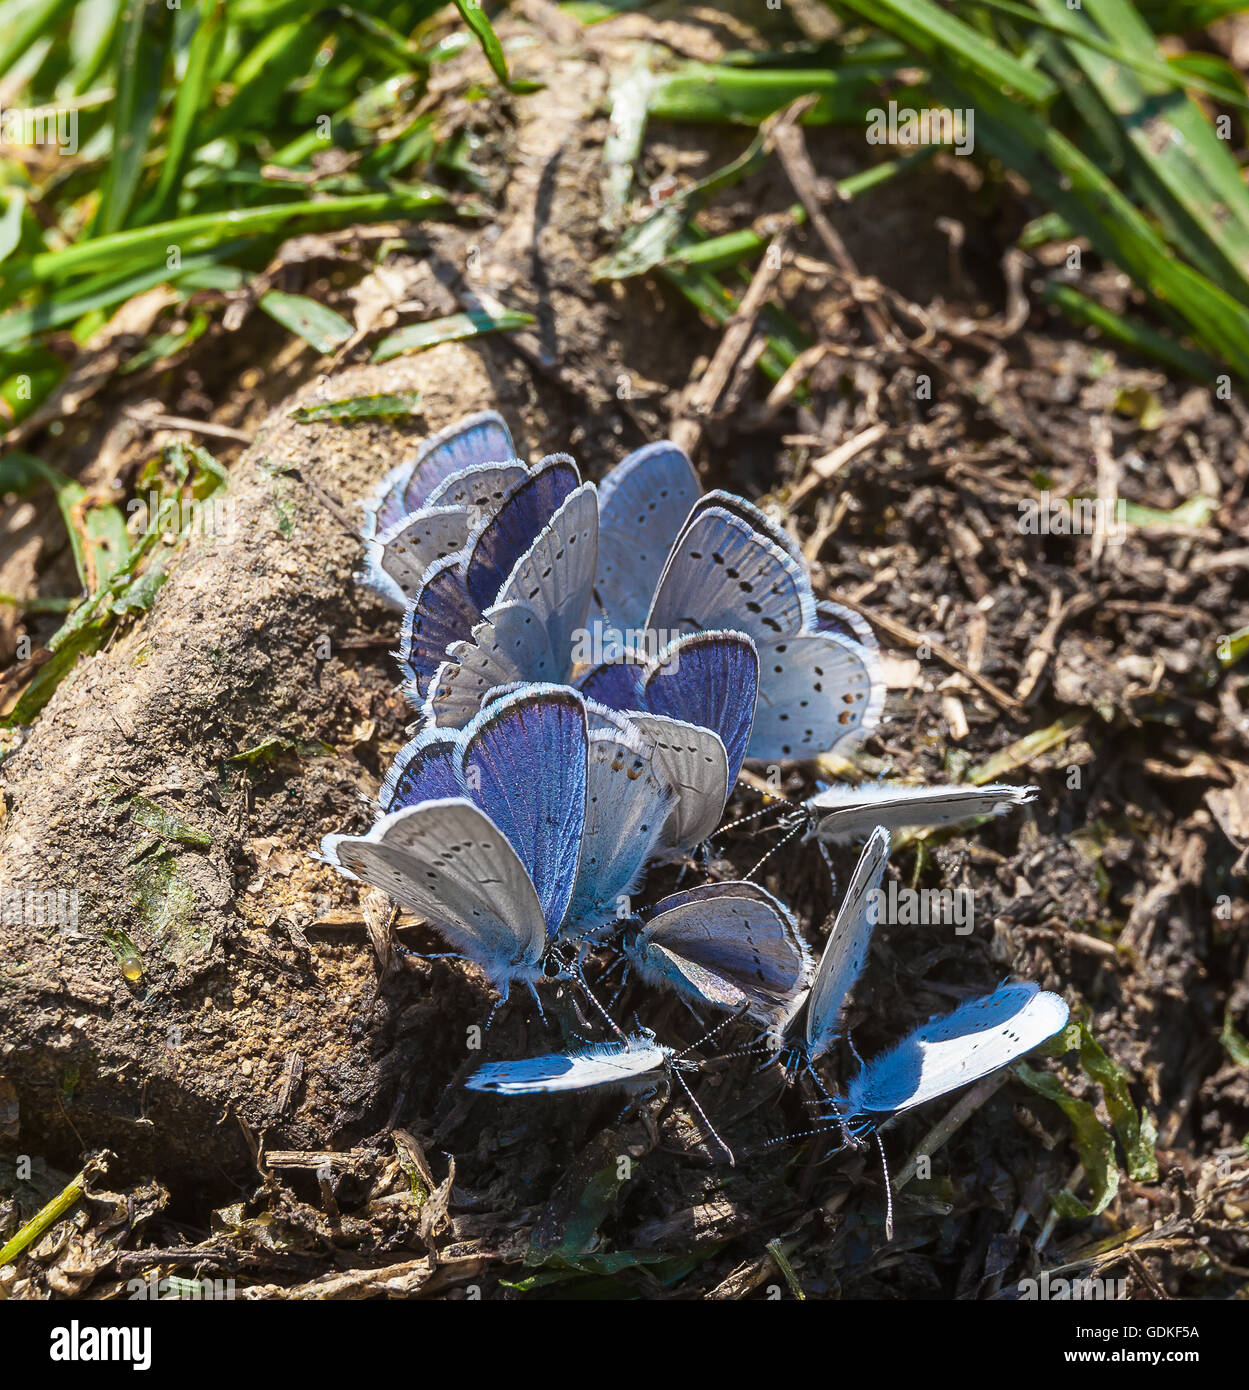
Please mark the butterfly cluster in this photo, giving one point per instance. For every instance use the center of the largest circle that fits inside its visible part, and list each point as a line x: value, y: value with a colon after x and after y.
x: 591, y: 667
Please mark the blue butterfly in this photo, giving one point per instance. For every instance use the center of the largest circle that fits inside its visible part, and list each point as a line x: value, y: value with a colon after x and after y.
x: 951, y: 1051
x: 731, y: 945
x: 837, y: 814
x: 704, y: 682
x: 526, y: 825
x: 813, y: 1027
x: 426, y: 506
x: 636, y: 1064
x: 733, y: 568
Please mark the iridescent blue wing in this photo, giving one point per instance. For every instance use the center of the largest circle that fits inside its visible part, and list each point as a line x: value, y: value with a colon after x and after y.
x: 643, y: 503
x: 424, y: 769
x: 524, y: 765
x: 501, y: 539
x: 712, y: 679
x: 442, y: 613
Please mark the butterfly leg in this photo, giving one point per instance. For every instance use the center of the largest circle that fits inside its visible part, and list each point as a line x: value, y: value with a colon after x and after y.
x: 537, y: 1002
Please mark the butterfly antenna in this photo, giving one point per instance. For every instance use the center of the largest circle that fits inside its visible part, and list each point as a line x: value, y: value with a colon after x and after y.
x: 780, y: 844
x: 747, y: 1052
x: 710, y: 1033
x: 802, y: 1134
x: 702, y: 1115
x: 754, y: 815
x: 884, y: 1163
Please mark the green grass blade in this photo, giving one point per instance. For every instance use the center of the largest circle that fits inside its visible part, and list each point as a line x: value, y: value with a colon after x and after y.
x: 40, y: 19
x: 933, y: 30
x: 20, y: 325
x: 1131, y: 333
x: 146, y: 30
x: 318, y: 326
x: 706, y: 92
x: 475, y: 17
x: 416, y: 337
x: 202, y: 231
x: 1178, y: 167
x: 191, y: 103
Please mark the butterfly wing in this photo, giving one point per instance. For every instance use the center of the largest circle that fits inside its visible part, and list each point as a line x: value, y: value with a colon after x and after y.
x: 711, y: 679
x: 691, y: 760
x: 450, y: 863
x: 643, y: 503
x: 441, y: 614
x: 480, y: 438
x: 507, y: 647
x: 480, y: 488
x: 424, y: 769
x: 524, y: 765
x: 554, y: 578
x: 723, y: 574
x: 737, y: 933
x: 845, y: 951
x: 631, y: 1064
x: 817, y: 692
x: 407, y: 549
x: 501, y: 539
x: 626, y: 808
x: 617, y: 684
x: 845, y: 622
x: 956, y: 1049
x: 840, y: 813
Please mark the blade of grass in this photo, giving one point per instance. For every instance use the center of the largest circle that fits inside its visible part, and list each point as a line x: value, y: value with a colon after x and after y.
x: 416, y: 337
x: 201, y: 231
x: 1131, y: 333
x: 190, y: 105
x: 146, y: 29
x: 20, y: 325
x: 1179, y: 168
x: 40, y: 19
x: 935, y: 31
x: 746, y: 96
